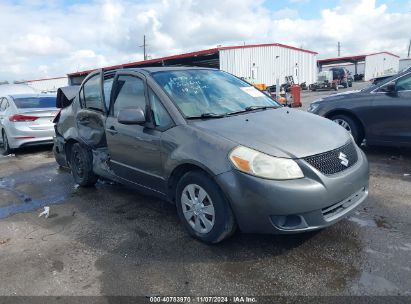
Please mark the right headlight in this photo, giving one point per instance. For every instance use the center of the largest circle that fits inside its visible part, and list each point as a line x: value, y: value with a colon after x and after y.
x: 262, y: 165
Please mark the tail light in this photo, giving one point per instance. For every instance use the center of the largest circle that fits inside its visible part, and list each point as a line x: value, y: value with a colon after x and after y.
x: 20, y: 118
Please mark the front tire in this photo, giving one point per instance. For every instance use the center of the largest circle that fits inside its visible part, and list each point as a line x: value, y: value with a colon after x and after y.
x: 81, y: 164
x: 351, y: 126
x: 203, y: 209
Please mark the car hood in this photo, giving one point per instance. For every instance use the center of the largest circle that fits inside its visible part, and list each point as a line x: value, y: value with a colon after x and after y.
x: 279, y: 132
x: 342, y: 95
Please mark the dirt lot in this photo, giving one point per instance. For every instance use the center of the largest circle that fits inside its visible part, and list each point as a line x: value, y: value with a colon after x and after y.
x: 111, y: 240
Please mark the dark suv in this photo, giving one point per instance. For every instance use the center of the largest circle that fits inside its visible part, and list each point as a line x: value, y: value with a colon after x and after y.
x: 342, y: 76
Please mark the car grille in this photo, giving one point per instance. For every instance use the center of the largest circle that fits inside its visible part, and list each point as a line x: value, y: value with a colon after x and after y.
x: 334, y: 161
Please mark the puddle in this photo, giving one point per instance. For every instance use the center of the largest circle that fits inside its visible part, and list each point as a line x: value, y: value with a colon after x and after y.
x: 403, y: 247
x: 20, y: 201
x: 363, y: 222
x: 381, y: 222
x: 30, y: 206
x: 374, y: 282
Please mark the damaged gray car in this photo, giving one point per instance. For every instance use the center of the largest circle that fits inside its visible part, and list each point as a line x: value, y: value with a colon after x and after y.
x: 223, y: 152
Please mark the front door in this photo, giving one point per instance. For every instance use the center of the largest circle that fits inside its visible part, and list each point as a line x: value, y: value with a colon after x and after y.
x: 134, y: 149
x: 391, y: 113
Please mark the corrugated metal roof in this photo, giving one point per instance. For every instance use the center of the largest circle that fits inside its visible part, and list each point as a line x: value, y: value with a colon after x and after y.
x: 355, y: 58
x: 191, y: 54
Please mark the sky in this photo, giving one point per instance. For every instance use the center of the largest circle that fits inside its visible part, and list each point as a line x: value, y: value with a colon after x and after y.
x: 50, y: 38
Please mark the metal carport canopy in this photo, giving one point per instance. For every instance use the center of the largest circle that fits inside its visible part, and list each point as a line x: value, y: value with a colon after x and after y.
x: 203, y: 58
x: 348, y: 59
x: 337, y: 60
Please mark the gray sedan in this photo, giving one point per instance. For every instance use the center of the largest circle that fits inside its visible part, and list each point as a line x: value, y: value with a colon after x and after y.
x: 225, y: 153
x: 26, y: 119
x: 379, y: 113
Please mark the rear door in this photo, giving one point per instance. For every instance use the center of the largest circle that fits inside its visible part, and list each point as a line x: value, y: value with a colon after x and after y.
x: 134, y: 149
x: 91, y: 118
x: 390, y: 114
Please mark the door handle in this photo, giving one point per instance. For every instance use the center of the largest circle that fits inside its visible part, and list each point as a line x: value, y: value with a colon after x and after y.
x: 112, y: 130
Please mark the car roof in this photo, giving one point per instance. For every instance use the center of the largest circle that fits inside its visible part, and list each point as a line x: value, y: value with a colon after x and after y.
x: 161, y: 69
x: 31, y: 95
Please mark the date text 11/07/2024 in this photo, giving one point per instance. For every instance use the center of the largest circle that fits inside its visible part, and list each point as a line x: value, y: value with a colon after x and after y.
x: 211, y: 299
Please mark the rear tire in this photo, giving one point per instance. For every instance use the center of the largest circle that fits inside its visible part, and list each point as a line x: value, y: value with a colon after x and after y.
x: 207, y: 215
x: 6, y: 146
x: 81, y: 164
x: 350, y: 125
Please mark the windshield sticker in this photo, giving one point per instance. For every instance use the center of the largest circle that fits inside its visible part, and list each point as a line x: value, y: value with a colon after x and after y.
x: 252, y: 91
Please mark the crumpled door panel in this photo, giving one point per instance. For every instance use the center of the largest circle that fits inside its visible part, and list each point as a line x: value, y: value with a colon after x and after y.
x: 91, y: 128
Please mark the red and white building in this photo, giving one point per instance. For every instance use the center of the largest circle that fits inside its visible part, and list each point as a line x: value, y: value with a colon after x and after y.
x: 257, y: 63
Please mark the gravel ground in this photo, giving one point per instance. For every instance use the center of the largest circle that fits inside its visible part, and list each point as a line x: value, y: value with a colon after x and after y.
x: 112, y: 240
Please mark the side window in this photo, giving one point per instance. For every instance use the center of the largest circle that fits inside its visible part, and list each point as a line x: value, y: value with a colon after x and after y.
x: 92, y: 96
x: 108, y: 84
x: 4, y: 104
x: 404, y: 83
x: 160, y: 115
x: 130, y: 93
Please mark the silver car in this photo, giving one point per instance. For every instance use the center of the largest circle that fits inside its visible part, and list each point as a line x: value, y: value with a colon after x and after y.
x: 27, y: 119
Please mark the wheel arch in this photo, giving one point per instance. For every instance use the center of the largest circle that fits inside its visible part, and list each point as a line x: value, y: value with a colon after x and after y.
x: 178, y: 172
x: 350, y: 114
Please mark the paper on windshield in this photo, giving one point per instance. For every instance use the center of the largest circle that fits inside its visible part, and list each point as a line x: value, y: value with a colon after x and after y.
x: 252, y: 91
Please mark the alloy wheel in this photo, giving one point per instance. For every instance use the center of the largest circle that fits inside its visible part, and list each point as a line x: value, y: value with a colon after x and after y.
x: 198, y: 208
x: 343, y: 124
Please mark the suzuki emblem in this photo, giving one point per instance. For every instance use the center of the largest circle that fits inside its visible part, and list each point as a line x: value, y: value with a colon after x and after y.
x: 344, y: 159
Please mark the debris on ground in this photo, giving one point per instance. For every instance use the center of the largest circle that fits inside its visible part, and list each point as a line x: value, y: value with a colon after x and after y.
x: 407, y: 174
x: 2, y: 242
x: 46, y: 212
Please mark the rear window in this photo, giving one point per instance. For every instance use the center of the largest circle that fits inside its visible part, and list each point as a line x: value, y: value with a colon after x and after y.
x: 35, y: 102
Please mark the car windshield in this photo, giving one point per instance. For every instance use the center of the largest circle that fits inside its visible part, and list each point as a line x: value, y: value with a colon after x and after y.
x: 35, y: 102
x: 210, y: 92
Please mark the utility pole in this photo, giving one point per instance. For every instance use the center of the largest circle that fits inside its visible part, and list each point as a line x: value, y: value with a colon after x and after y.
x: 339, y: 49
x: 409, y: 49
x: 144, y: 48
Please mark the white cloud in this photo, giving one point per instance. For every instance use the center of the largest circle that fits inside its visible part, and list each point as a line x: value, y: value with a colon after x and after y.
x: 44, y: 39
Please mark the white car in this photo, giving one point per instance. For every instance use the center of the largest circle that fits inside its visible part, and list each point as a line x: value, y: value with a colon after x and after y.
x: 27, y: 119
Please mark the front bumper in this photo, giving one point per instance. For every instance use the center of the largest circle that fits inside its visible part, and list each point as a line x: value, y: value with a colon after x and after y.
x: 313, y: 202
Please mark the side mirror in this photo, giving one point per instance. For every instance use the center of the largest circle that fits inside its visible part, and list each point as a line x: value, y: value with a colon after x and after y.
x: 131, y: 116
x: 390, y: 88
